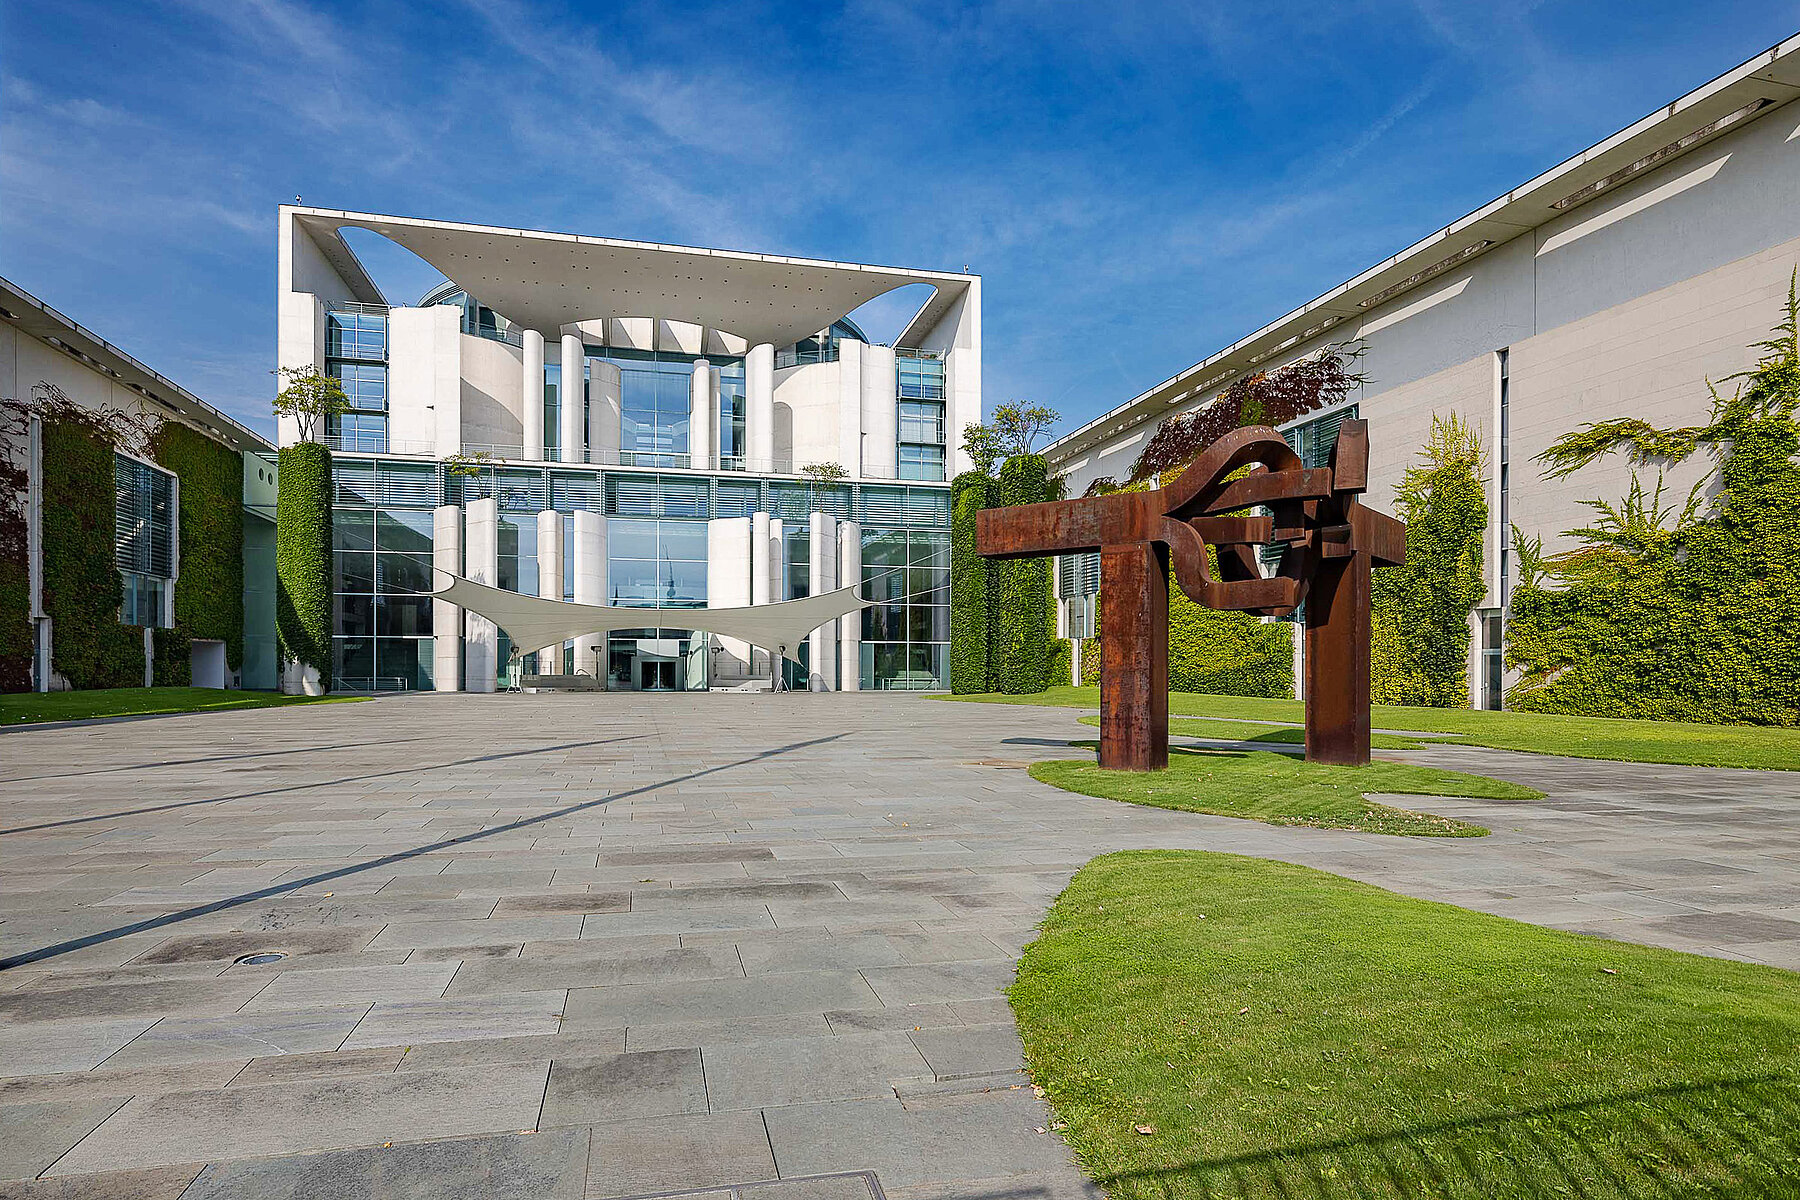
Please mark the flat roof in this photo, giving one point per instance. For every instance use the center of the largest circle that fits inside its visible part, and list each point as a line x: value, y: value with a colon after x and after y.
x: 544, y: 280
x: 26, y: 312
x: 1746, y: 92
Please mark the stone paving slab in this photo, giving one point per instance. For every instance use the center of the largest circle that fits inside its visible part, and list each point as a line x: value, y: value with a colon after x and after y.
x: 619, y: 944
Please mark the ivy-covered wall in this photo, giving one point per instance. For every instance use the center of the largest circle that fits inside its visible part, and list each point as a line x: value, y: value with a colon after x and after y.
x: 303, y: 556
x: 970, y: 492
x: 1020, y: 633
x: 1689, y: 613
x: 1421, y: 608
x: 82, y: 588
x: 209, y: 596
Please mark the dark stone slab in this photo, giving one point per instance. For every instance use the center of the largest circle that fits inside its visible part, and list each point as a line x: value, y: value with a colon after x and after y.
x: 533, y: 1166
x: 561, y: 903
x: 618, y: 1087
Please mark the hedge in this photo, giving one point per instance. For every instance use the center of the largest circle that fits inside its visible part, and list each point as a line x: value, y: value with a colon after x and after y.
x: 970, y: 492
x: 303, y: 556
x: 1421, y: 608
x: 1689, y: 614
x: 1019, y: 633
x: 82, y: 587
x: 209, y: 598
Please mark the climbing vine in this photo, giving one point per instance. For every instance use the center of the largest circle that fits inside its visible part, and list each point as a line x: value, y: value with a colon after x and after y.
x: 303, y: 556
x: 1019, y: 634
x: 970, y: 492
x: 1685, y: 613
x: 1421, y: 608
x: 209, y: 600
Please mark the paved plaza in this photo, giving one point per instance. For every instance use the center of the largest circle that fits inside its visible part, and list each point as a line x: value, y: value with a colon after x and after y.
x: 621, y: 945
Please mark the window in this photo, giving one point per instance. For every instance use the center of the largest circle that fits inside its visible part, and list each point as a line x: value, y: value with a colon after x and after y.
x: 922, y: 421
x: 656, y: 564
x: 918, y: 378
x: 906, y: 633
x: 921, y: 462
x: 356, y: 335
x: 382, y: 610
x: 356, y: 356
x: 1313, y: 441
x: 144, y: 540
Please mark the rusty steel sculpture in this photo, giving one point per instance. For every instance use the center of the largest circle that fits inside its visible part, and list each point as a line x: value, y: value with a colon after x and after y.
x: 1330, y: 544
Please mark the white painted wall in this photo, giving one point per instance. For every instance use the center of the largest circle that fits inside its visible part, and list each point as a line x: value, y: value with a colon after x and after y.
x: 606, y: 410
x: 446, y: 618
x: 880, y: 413
x: 808, y: 406
x: 728, y: 585
x: 822, y: 578
x: 481, y: 539
x: 424, y: 380
x: 590, y: 584
x: 492, y: 387
x: 849, y: 570
x: 550, y: 579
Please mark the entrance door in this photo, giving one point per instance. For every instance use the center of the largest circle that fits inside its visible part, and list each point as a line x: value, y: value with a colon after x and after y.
x: 656, y: 676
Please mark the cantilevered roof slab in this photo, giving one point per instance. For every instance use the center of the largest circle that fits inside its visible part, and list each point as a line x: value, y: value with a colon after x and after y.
x: 544, y: 281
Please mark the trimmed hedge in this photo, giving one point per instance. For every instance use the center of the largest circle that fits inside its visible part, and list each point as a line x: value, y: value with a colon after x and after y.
x: 1019, y: 632
x: 209, y: 598
x: 82, y: 588
x: 1694, y: 620
x: 1421, y: 608
x: 970, y: 492
x: 303, y: 556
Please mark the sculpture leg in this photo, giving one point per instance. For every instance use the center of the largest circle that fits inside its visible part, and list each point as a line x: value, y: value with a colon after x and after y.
x: 1134, y: 658
x: 1337, y: 662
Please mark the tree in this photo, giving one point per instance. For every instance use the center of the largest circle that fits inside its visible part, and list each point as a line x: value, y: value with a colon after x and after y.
x: 1018, y: 426
x: 982, y: 444
x: 468, y: 466
x: 824, y: 472
x: 309, y: 398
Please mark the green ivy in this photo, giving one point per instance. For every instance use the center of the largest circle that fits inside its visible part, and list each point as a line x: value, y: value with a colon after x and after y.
x: 173, y: 662
x: 15, y: 625
x: 1019, y: 634
x: 1689, y: 614
x: 209, y: 597
x: 303, y: 556
x: 970, y: 492
x: 82, y: 587
x: 1420, y: 653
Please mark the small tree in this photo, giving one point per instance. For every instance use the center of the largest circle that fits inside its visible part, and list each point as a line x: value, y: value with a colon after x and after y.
x: 1019, y: 426
x: 825, y: 472
x: 467, y: 466
x: 982, y: 444
x: 309, y: 398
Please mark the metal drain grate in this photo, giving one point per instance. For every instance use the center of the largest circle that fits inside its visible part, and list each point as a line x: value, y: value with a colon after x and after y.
x: 257, y: 960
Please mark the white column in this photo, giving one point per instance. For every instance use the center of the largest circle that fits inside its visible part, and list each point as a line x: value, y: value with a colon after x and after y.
x: 759, y: 407
x: 590, y: 588
x: 849, y: 571
x: 774, y: 579
x: 759, y: 580
x: 822, y: 578
x: 531, y: 396
x: 605, y: 409
x: 574, y: 358
x: 703, y: 418
x: 481, y: 541
x: 728, y: 585
x: 446, y: 618
x: 852, y: 361
x: 550, y: 579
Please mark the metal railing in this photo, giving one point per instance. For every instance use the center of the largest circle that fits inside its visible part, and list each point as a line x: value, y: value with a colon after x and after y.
x: 479, y: 454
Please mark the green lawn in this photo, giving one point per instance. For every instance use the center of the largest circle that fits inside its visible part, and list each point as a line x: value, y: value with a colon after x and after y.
x: 1282, y: 1032
x: 28, y: 708
x: 1280, y: 735
x: 1579, y: 737
x: 1282, y: 789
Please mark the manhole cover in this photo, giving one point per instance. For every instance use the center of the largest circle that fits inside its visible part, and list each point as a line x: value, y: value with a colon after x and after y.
x: 257, y: 960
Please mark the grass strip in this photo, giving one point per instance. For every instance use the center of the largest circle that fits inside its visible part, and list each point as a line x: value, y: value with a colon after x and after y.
x: 29, y: 708
x: 1283, y: 1032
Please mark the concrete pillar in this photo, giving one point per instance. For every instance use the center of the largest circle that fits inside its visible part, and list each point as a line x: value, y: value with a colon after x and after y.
x: 550, y: 551
x: 728, y: 574
x: 759, y: 557
x: 574, y: 359
x: 849, y: 571
x: 852, y: 359
x: 605, y: 410
x: 822, y: 578
x: 703, y: 418
x: 590, y: 587
x: 881, y: 414
x: 774, y: 579
x: 446, y: 618
x: 481, y: 559
x: 531, y: 391
x: 759, y: 408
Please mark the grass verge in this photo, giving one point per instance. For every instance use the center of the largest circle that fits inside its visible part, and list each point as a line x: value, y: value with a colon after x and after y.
x: 1222, y: 729
x: 1280, y: 789
x: 1758, y: 746
x: 29, y: 708
x: 1289, y: 1033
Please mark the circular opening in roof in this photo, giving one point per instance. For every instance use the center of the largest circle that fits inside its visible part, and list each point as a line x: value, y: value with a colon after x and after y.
x: 257, y: 960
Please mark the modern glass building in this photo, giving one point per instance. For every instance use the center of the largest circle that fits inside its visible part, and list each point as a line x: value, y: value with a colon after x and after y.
x: 637, y: 425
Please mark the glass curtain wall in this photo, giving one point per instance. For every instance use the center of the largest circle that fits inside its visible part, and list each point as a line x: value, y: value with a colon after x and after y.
x: 919, y: 383
x: 381, y: 572
x: 906, y: 633
x: 356, y: 356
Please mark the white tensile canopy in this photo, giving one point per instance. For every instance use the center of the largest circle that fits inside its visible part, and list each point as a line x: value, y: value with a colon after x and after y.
x: 533, y: 623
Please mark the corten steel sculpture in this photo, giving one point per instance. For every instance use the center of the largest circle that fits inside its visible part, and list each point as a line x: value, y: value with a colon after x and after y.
x: 1330, y: 545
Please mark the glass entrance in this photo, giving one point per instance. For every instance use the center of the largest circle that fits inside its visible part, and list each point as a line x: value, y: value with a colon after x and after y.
x: 655, y: 660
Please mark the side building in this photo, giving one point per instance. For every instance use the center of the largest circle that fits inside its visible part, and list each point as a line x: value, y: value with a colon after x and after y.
x: 137, y: 540
x: 1615, y: 284
x: 627, y: 423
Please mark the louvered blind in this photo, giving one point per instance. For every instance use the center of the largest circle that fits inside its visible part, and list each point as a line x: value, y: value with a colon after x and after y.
x: 1078, y: 575
x: 143, y: 517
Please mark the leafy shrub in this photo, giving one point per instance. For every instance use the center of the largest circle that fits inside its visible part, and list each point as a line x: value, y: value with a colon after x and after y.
x: 1019, y: 632
x: 82, y: 587
x: 209, y: 597
x: 970, y: 492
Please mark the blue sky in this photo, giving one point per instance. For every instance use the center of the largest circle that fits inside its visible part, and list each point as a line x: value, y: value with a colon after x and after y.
x: 1137, y: 183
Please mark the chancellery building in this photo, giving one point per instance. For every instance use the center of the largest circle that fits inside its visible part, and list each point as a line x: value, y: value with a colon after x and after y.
x: 614, y: 422
x: 1614, y: 284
